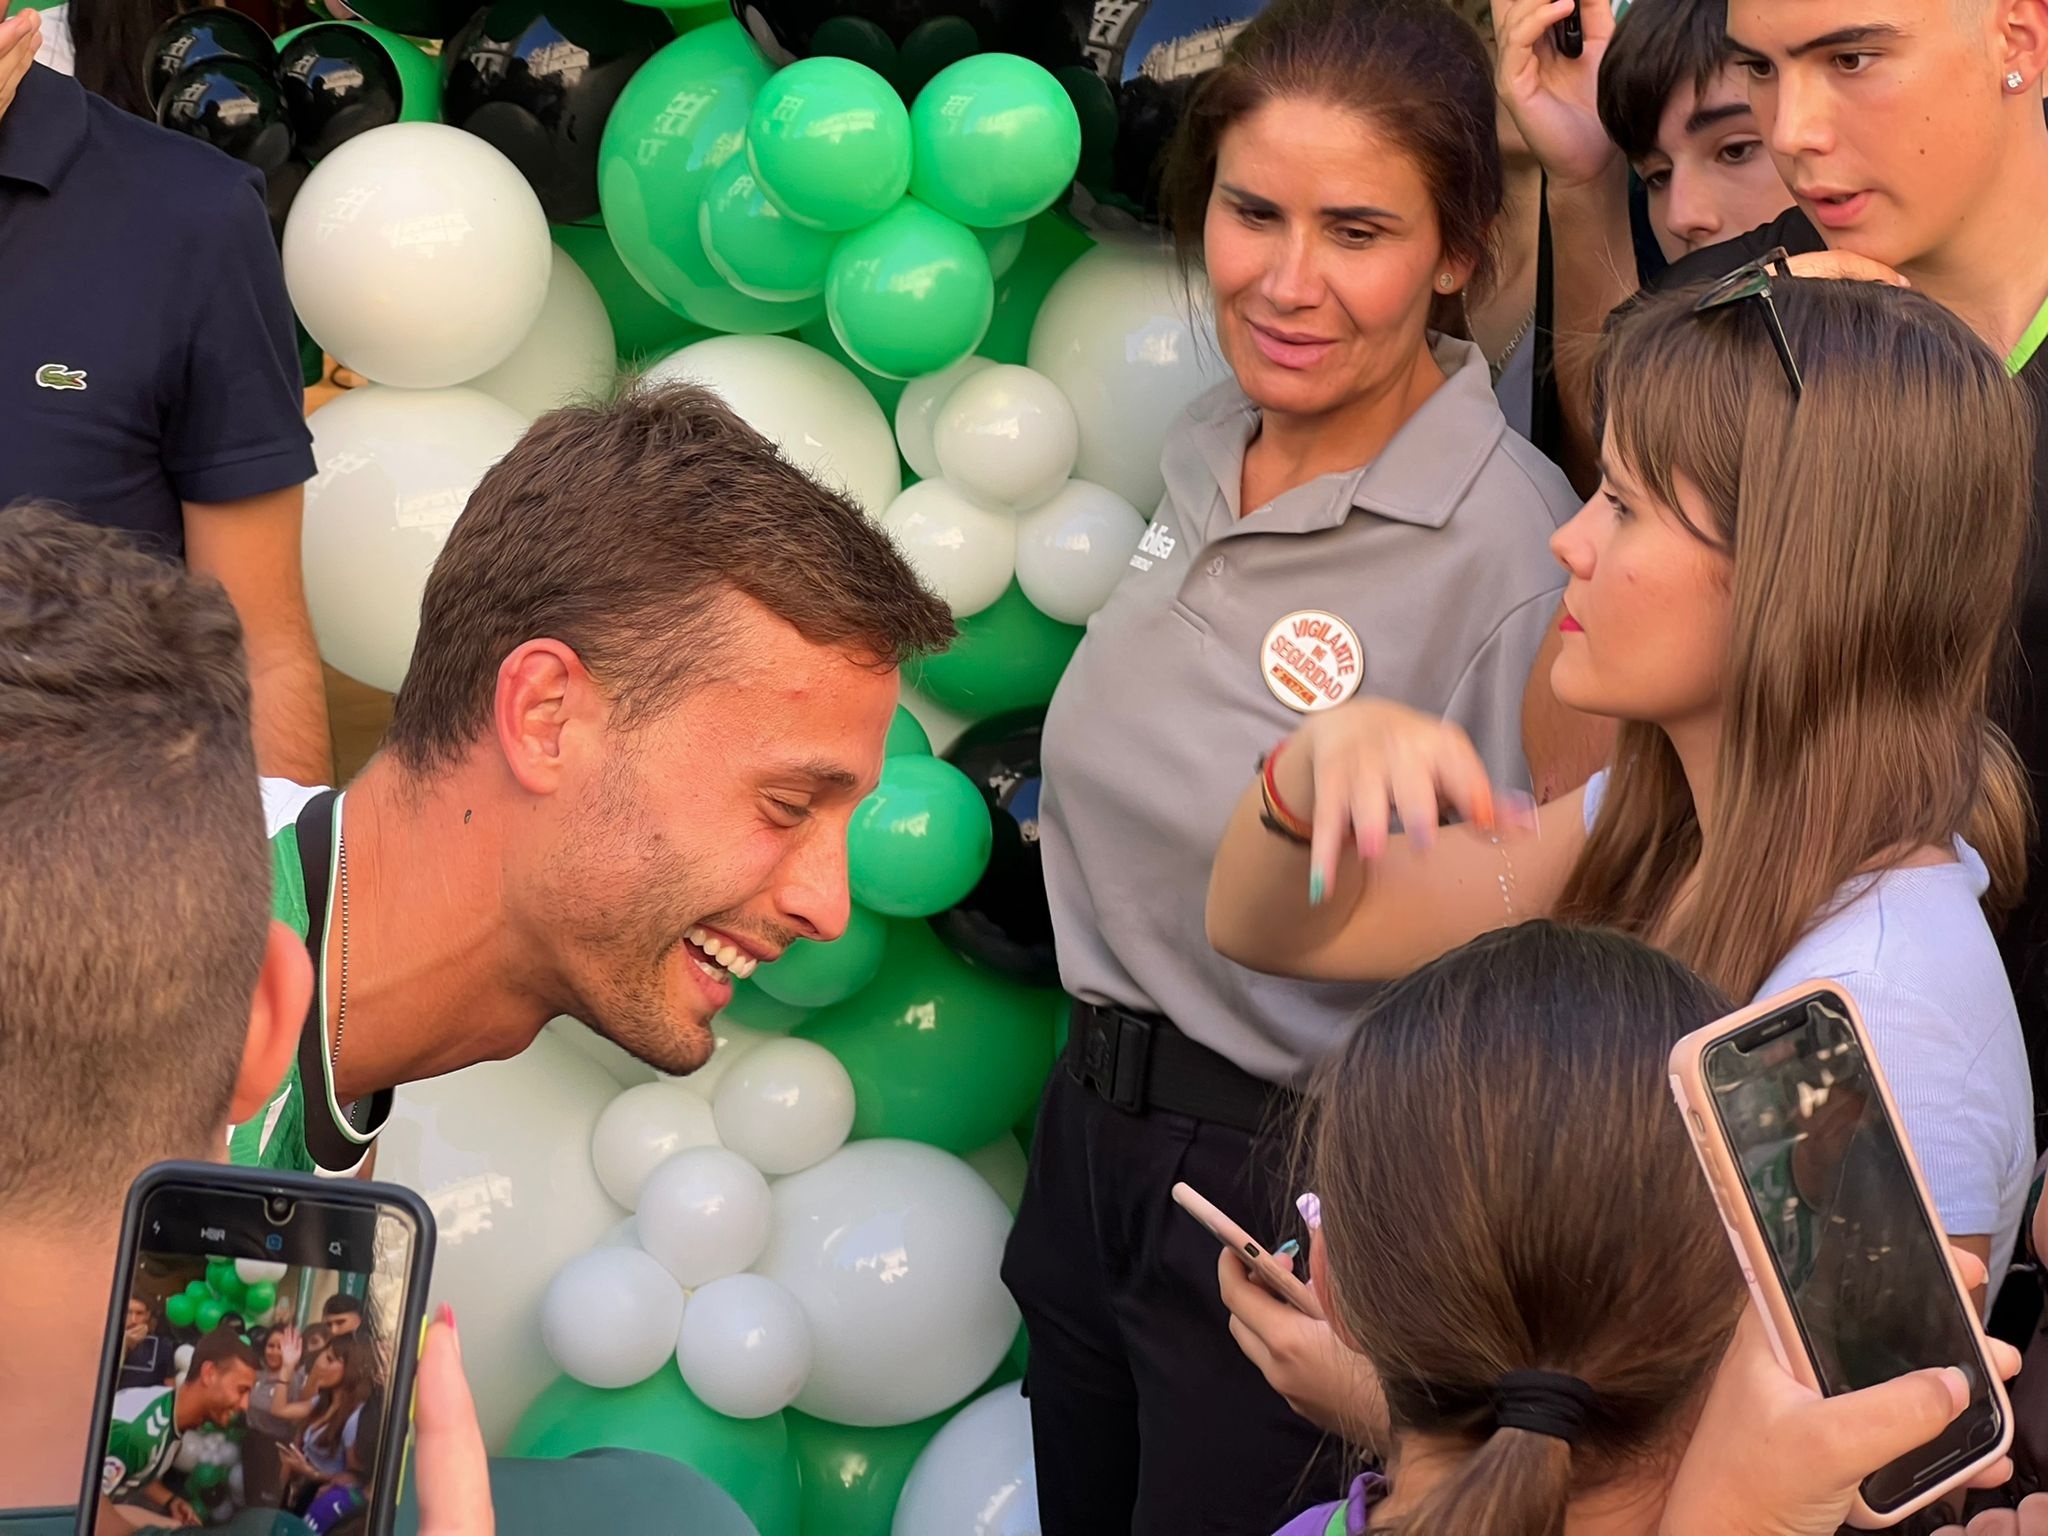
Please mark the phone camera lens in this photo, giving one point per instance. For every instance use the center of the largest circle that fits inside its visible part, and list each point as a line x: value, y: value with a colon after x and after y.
x: 280, y: 1208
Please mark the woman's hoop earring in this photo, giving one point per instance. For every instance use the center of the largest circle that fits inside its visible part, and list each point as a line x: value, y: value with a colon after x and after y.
x: 2015, y: 82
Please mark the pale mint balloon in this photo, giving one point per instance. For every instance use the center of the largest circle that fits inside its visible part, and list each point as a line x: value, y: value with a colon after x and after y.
x: 830, y: 141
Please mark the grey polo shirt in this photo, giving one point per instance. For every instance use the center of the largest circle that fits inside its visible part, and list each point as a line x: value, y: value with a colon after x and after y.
x: 1424, y: 576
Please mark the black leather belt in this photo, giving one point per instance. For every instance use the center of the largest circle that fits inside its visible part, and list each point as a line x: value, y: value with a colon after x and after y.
x: 1140, y: 1061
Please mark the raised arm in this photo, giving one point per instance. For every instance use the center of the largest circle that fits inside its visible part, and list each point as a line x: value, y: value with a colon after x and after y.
x: 1363, y: 903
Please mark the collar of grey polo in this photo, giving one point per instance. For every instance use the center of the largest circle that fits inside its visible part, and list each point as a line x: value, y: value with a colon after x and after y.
x: 43, y: 130
x: 1420, y: 477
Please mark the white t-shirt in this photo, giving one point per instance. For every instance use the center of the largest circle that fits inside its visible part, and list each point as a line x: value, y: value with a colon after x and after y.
x: 1914, y: 950
x: 55, y: 51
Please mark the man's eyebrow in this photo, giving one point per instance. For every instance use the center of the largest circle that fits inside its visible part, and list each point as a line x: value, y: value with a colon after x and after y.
x: 1841, y: 37
x: 1708, y: 117
x: 827, y: 775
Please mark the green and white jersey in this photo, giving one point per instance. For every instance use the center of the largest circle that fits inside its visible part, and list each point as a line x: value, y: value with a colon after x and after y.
x: 303, y: 1127
x: 141, y: 1440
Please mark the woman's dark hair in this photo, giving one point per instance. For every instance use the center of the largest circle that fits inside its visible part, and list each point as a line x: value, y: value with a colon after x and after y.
x: 1506, y: 1187
x: 331, y: 1410
x: 1412, y: 68
x: 107, y: 40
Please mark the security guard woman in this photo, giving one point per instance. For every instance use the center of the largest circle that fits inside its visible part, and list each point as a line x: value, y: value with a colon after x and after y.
x: 1351, y: 512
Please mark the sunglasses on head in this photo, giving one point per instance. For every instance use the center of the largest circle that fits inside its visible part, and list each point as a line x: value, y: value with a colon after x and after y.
x: 1753, y: 281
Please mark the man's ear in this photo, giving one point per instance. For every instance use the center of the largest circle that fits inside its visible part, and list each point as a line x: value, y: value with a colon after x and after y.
x: 277, y: 1013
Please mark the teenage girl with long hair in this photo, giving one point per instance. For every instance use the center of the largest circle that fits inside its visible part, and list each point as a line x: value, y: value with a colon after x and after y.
x: 1793, y: 588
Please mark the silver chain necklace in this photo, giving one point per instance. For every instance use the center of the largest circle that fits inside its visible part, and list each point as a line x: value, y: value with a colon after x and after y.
x: 341, y: 1005
x: 1499, y: 365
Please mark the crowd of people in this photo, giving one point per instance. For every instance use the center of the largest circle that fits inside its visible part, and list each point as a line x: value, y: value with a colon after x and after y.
x: 1608, y: 590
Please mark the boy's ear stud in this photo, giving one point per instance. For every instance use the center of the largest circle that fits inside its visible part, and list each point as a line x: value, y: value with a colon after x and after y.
x: 2015, y: 82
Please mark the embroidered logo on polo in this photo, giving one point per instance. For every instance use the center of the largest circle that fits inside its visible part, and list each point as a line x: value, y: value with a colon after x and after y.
x: 57, y: 376
x: 1312, y: 660
x: 1157, y: 544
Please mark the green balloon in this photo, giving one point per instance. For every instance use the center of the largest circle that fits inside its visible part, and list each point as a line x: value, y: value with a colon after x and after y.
x: 920, y: 841
x: 907, y: 736
x: 208, y: 1315
x: 205, y: 1476
x: 939, y: 1050
x: 1009, y: 656
x: 830, y: 141
x: 197, y: 1291
x: 755, y: 1009
x: 233, y: 1290
x: 644, y: 327
x: 179, y: 1310
x: 762, y: 253
x: 814, y: 975
x: 911, y: 293
x: 261, y: 1297
x: 681, y: 116
x: 1002, y: 247
x: 886, y: 391
x: 749, y: 1458
x: 853, y: 1477
x: 994, y: 139
x: 1052, y: 243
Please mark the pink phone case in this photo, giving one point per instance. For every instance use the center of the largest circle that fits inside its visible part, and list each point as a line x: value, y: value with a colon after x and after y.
x: 1752, y: 1252
x: 1261, y: 1265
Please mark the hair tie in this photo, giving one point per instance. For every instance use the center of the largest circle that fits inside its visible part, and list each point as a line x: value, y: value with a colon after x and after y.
x: 1543, y: 1403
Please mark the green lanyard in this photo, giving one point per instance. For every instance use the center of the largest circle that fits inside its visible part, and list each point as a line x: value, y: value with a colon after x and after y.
x: 2030, y: 342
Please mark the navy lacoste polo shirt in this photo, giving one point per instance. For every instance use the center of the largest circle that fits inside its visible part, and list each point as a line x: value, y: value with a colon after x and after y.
x: 147, y: 355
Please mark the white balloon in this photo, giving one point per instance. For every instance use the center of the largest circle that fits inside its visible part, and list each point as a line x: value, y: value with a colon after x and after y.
x: 642, y: 1128
x: 1007, y: 436
x: 705, y: 1214
x: 237, y: 1485
x: 976, y: 1478
x: 181, y: 1360
x: 895, y: 1250
x: 745, y: 1348
x: 627, y: 1070
x: 417, y: 254
x: 501, y: 1152
x: 787, y: 1106
x: 620, y: 1234
x: 610, y: 1316
x: 1075, y: 548
x: 1003, y: 1164
x: 730, y: 1044
x: 807, y: 404
x: 256, y: 1271
x: 962, y: 550
x: 191, y: 1449
x: 1121, y: 336
x: 917, y: 410
x: 568, y: 355
x: 394, y: 470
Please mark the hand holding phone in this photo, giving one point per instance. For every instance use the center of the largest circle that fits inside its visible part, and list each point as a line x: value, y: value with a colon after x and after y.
x: 1262, y: 1266
x: 1847, y: 1263
x: 1570, y: 34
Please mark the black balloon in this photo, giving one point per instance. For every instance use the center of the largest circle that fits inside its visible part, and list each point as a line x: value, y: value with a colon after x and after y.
x: 338, y: 82
x: 1004, y: 922
x: 925, y: 34
x: 214, y: 32
x: 281, y: 189
x: 233, y: 106
x: 537, y: 79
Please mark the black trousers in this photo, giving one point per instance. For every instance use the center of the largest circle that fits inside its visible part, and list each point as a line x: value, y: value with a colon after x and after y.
x: 1145, y: 1417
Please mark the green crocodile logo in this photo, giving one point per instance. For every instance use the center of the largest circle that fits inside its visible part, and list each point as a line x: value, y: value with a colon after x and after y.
x: 57, y: 376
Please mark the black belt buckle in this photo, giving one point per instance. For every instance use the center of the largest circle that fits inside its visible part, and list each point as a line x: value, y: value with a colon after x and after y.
x: 1116, y: 1048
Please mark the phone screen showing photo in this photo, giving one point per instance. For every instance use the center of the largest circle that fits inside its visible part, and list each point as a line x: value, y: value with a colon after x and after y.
x: 254, y: 1383
x: 1861, y: 1264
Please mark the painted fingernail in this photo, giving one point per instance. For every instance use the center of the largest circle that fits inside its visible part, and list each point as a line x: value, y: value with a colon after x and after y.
x: 1315, y: 887
x: 447, y: 1318
x: 1311, y: 1210
x: 1287, y: 1250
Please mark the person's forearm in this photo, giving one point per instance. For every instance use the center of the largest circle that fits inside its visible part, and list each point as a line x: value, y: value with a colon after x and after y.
x: 1593, y: 269
x: 289, y: 698
x: 1259, y: 912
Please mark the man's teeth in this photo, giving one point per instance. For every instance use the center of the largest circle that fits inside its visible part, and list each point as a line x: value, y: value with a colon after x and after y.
x: 729, y: 956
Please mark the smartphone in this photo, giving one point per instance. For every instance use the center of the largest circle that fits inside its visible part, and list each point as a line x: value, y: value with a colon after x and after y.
x: 1274, y: 1274
x: 1830, y: 1220
x: 202, y: 1412
x: 1570, y: 34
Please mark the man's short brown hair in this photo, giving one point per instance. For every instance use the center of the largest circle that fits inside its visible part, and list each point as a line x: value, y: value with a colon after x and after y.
x: 617, y: 529
x: 134, y: 880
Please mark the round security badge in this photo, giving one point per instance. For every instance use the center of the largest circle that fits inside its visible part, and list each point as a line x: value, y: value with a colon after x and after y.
x: 1312, y: 660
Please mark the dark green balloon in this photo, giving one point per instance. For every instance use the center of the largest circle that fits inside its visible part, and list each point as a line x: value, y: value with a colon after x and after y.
x: 939, y: 1051
x: 853, y: 1477
x: 261, y: 1297
x: 755, y: 1009
x: 1009, y: 656
x: 179, y: 1310
x: 208, y: 1315
x: 1052, y: 243
x: 921, y: 841
x: 749, y: 1458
